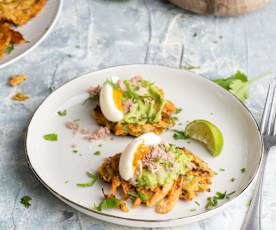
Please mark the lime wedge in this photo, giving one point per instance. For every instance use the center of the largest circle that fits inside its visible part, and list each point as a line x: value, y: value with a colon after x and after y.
x: 206, y: 133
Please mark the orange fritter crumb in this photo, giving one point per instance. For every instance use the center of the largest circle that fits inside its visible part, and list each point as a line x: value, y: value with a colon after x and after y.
x: 20, y: 97
x: 17, y: 79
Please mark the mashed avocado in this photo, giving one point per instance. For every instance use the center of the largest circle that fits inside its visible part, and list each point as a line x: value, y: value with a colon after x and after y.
x: 167, y: 172
x: 147, y: 102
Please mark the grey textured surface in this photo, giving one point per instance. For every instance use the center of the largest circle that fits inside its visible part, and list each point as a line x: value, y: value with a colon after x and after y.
x: 93, y: 34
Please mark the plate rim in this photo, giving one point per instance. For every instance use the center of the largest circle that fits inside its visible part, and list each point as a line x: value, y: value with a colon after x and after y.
x: 170, y: 220
x: 41, y: 39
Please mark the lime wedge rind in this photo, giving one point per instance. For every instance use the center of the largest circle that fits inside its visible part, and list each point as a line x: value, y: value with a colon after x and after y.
x: 208, y: 134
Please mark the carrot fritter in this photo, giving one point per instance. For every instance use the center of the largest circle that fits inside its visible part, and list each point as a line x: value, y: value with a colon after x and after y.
x: 19, y: 12
x: 8, y: 38
x: 123, y: 129
x: 185, y: 187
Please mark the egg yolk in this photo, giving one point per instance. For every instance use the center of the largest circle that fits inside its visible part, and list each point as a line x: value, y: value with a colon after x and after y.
x: 117, y: 95
x: 140, y: 152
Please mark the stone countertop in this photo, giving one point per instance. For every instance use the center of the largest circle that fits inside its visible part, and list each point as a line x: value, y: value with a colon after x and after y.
x: 94, y: 34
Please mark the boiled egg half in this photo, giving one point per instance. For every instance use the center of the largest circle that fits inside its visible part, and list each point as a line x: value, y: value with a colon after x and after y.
x: 134, y: 152
x: 110, y: 101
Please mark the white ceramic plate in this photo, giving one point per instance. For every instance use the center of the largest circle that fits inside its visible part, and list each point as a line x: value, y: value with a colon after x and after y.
x: 59, y: 169
x: 35, y: 31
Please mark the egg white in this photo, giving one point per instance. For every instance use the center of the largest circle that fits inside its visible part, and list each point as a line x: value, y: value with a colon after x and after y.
x: 107, y: 104
x: 126, y: 160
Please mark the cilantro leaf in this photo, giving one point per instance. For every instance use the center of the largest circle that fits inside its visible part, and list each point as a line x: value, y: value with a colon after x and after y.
x: 237, y: 84
x: 110, y: 202
x: 51, y: 137
x: 179, y: 135
x: 240, y: 89
x: 225, y: 83
x: 25, y: 200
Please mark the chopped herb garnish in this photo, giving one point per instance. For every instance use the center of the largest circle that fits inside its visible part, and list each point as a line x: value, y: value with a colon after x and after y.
x: 220, y: 36
x: 222, y: 169
x: 91, y: 183
x: 75, y: 151
x: 90, y: 98
x: 192, y: 210
x: 76, y: 120
x: 143, y: 196
x: 132, y: 194
x: 99, y: 145
x: 97, y: 153
x: 66, y: 181
x: 229, y: 194
x: 179, y: 135
x: 213, y: 201
x: 10, y: 49
x: 191, y: 67
x: 180, y: 123
x: 62, y: 113
x: 77, y: 46
x: 195, y: 34
x: 232, y: 179
x: 51, y: 137
x: 197, y: 203
x: 173, y: 119
x: 243, y: 170
x: 110, y: 202
x: 25, y: 200
x: 178, y: 110
x: 249, y: 202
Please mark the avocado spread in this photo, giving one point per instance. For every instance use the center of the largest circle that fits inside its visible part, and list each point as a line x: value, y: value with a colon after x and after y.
x: 167, y: 170
x: 146, y: 99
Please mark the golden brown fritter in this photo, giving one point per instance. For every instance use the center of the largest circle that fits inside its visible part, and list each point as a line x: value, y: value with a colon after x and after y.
x: 8, y: 37
x: 19, y: 12
x: 186, y: 187
x: 121, y: 129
